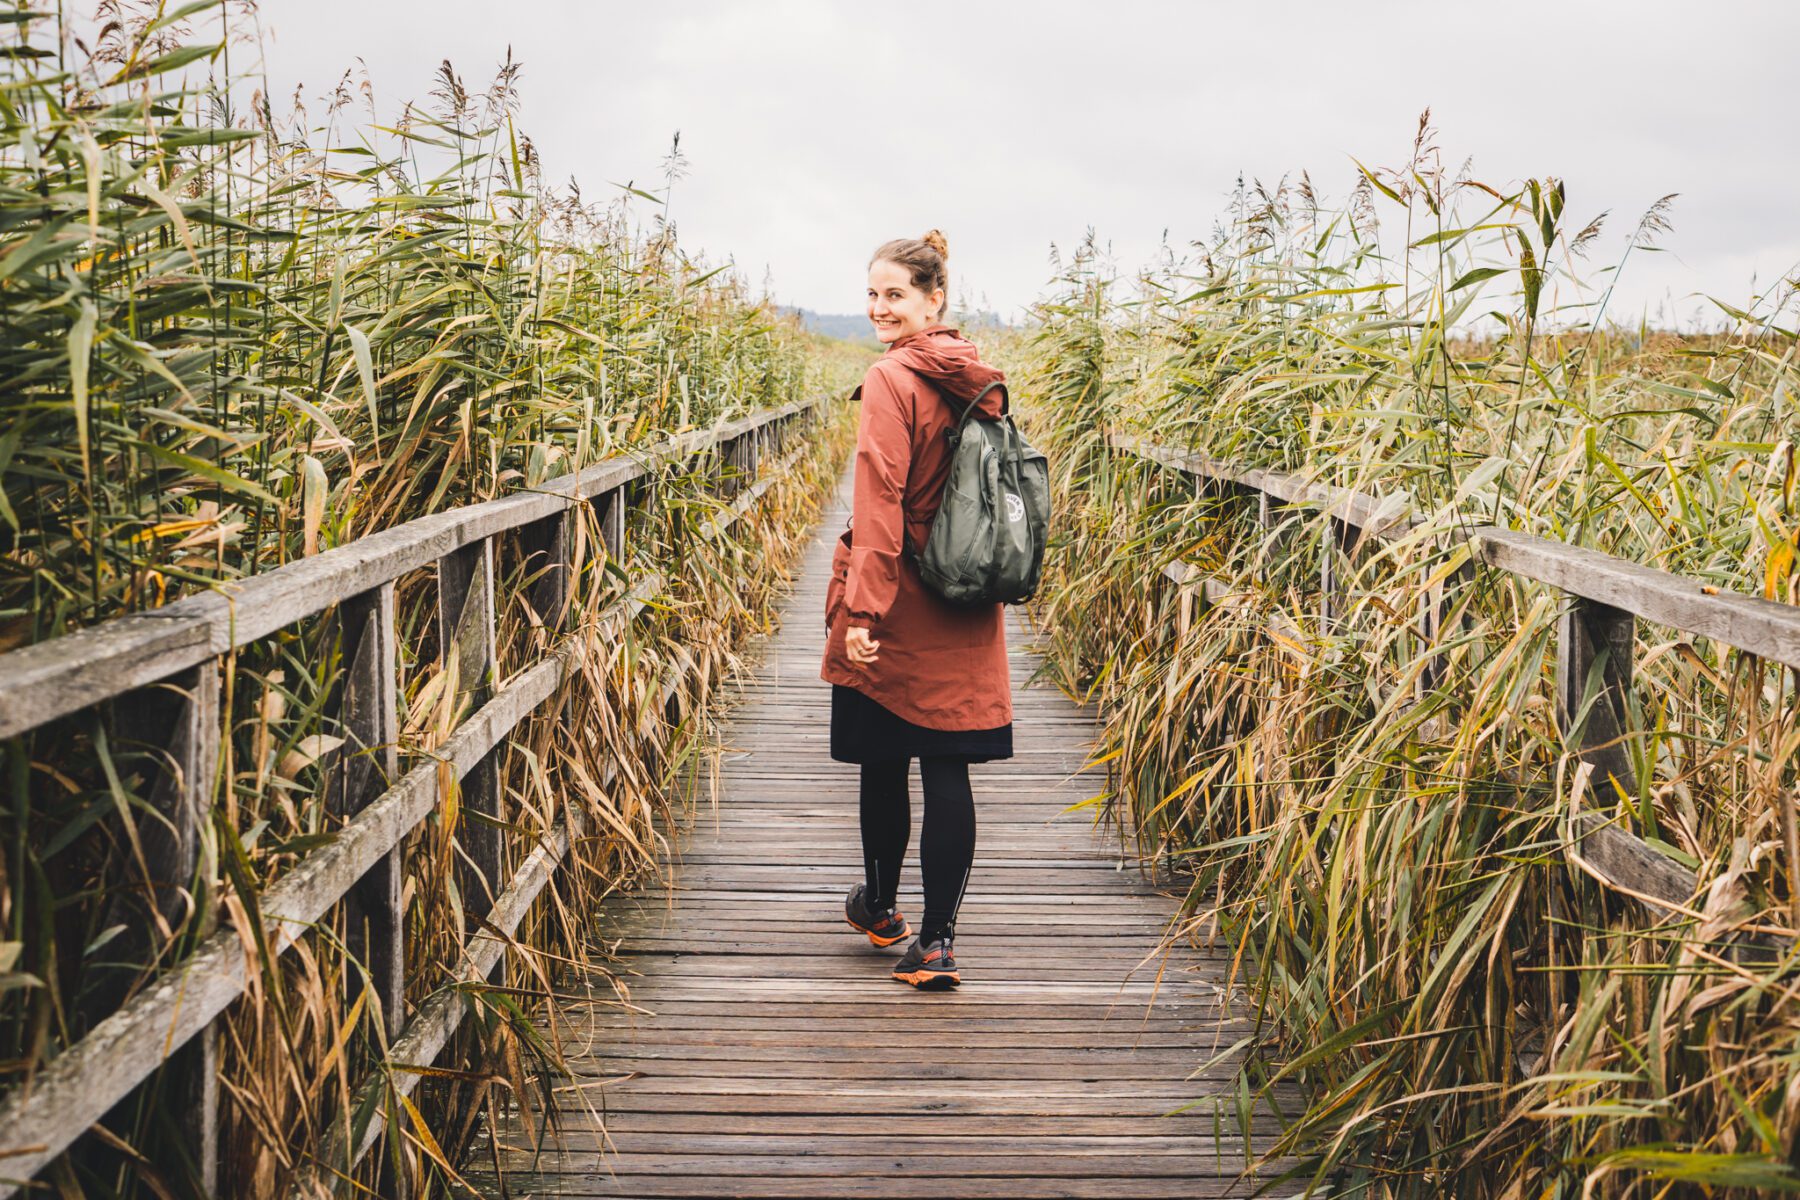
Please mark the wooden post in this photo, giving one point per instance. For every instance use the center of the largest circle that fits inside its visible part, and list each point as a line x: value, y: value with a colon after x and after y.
x: 466, y: 639
x: 1336, y: 541
x: 1265, y: 529
x: 547, y: 549
x: 609, y: 507
x: 1433, y: 627
x: 1594, y: 647
x: 1430, y: 628
x: 177, y: 722
x: 713, y: 466
x: 1790, y: 817
x: 1596, y: 638
x: 366, y: 766
x: 1595, y: 642
x: 641, y: 494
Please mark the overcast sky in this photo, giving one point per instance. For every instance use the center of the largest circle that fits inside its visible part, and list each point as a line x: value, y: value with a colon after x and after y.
x: 817, y: 129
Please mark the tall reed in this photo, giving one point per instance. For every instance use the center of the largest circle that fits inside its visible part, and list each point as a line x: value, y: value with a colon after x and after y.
x: 1467, y: 1013
x: 234, y: 339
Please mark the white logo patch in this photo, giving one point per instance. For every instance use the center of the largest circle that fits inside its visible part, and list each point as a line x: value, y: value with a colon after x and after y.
x: 1015, y: 507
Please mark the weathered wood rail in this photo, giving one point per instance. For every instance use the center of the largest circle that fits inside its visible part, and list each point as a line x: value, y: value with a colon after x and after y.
x: 1605, y: 598
x: 161, y: 672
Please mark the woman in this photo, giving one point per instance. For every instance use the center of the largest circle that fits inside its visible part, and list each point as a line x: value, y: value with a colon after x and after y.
x: 912, y: 676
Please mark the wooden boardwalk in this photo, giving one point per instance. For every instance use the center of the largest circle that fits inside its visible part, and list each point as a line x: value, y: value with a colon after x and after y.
x: 766, y: 1052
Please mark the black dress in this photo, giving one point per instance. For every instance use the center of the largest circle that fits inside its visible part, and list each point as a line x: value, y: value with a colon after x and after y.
x: 865, y: 730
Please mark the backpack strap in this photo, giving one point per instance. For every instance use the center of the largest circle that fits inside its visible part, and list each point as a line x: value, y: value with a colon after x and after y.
x: 1005, y: 403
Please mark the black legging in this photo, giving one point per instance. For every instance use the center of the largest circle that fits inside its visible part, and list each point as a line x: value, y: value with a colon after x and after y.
x: 946, y: 838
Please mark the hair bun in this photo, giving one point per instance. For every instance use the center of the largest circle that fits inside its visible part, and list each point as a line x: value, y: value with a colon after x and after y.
x: 935, y: 239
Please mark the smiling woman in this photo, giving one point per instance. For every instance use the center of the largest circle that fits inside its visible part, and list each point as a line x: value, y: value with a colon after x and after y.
x: 913, y: 676
x: 907, y: 285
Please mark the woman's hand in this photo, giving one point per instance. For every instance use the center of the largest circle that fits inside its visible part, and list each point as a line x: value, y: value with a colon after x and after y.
x: 859, y: 645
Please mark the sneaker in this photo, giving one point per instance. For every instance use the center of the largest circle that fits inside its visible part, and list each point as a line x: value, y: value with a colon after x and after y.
x: 883, y: 927
x: 929, y: 964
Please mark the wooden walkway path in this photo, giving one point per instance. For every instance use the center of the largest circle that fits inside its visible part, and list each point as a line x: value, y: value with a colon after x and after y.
x: 1049, y: 1073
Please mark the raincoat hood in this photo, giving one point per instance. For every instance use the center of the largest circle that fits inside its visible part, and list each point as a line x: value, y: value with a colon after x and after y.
x: 952, y: 364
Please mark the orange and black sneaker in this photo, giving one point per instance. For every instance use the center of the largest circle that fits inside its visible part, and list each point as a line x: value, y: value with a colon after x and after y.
x: 884, y: 926
x: 929, y: 965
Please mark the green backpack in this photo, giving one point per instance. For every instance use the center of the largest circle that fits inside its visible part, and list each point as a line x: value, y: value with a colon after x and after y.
x: 986, y: 543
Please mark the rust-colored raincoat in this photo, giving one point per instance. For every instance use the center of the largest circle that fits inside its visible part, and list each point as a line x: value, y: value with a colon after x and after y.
x: 940, y: 665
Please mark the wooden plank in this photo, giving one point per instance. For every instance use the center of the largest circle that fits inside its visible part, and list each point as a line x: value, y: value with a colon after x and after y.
x: 42, y: 682
x: 1074, y: 1128
x: 868, y: 1061
x: 1018, y: 904
x: 1752, y: 624
x: 984, y: 1008
x: 1192, y: 1034
x: 702, y: 1143
x: 1624, y: 860
x: 1593, y: 694
x: 1008, y: 1109
x: 649, y: 928
x: 1105, y: 956
x: 989, y: 1161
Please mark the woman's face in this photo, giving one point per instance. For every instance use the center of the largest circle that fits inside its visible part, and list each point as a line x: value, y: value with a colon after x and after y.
x: 897, y: 309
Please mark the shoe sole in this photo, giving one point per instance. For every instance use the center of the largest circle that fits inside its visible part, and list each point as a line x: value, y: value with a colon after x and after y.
x: 875, y: 939
x: 930, y: 981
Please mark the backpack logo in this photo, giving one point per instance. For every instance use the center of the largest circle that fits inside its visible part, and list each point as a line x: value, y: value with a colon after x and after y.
x: 1015, y: 508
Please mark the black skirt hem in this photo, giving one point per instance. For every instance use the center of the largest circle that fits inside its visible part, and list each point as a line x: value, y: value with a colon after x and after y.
x: 865, y: 730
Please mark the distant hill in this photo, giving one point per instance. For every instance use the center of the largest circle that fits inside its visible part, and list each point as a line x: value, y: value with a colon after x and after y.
x: 850, y: 327
x: 970, y: 322
x: 854, y: 327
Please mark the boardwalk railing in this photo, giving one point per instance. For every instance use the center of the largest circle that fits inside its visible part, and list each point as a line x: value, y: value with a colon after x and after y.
x: 1606, y: 596
x: 161, y: 669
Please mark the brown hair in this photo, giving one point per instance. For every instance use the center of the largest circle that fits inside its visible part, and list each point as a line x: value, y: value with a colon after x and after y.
x: 923, y: 259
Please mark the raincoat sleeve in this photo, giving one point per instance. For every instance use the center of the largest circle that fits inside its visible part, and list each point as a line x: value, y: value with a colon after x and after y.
x: 883, y: 459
